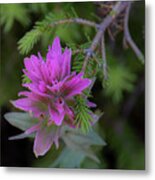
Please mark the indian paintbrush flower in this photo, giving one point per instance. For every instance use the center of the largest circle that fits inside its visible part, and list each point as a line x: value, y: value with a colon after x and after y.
x: 50, y: 95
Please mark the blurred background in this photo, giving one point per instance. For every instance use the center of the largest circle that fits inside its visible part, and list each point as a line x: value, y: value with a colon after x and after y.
x: 122, y: 100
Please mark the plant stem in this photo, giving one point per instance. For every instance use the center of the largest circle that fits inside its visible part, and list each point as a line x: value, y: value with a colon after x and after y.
x: 77, y: 21
x: 127, y: 37
x: 104, y: 58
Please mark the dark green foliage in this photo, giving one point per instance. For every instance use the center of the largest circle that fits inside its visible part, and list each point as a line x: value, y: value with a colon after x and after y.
x: 125, y: 147
x: 11, y: 13
x: 128, y: 148
x: 120, y: 79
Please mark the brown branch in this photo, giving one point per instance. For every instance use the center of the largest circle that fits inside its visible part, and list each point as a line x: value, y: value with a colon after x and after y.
x: 117, y: 9
x: 104, y: 58
x: 110, y: 34
x: 75, y: 20
x: 78, y: 51
x: 127, y: 37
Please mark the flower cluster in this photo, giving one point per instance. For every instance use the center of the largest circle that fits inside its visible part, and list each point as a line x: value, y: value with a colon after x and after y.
x: 51, y: 93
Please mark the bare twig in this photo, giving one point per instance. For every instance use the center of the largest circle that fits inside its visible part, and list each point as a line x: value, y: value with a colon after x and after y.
x: 127, y: 37
x: 110, y: 34
x: 104, y: 58
x: 117, y: 9
x: 75, y: 20
x: 78, y: 51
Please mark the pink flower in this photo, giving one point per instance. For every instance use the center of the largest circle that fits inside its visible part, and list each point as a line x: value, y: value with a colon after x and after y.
x: 51, y: 93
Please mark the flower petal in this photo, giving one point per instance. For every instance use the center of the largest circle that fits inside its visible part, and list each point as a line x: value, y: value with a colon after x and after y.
x: 66, y: 63
x: 55, y: 51
x: 43, y: 142
x: 75, y: 86
x: 91, y: 104
x: 24, y: 93
x: 33, y: 129
x: 23, y: 104
x: 32, y: 66
x: 55, y: 88
x: 95, y: 118
x: 26, y: 104
x: 44, y: 139
x: 57, y: 114
x: 35, y: 88
x: 19, y: 136
x: 69, y: 112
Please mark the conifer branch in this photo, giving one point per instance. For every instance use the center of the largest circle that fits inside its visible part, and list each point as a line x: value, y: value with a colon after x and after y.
x: 117, y: 9
x: 76, y: 21
x: 83, y: 118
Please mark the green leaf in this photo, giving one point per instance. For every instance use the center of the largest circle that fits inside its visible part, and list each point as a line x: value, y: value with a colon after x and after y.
x: 75, y: 135
x: 21, y: 136
x: 79, y: 142
x: 89, y: 164
x: 69, y: 159
x: 20, y: 120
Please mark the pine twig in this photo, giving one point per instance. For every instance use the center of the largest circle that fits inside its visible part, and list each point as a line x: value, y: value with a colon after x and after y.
x: 127, y: 37
x: 75, y: 20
